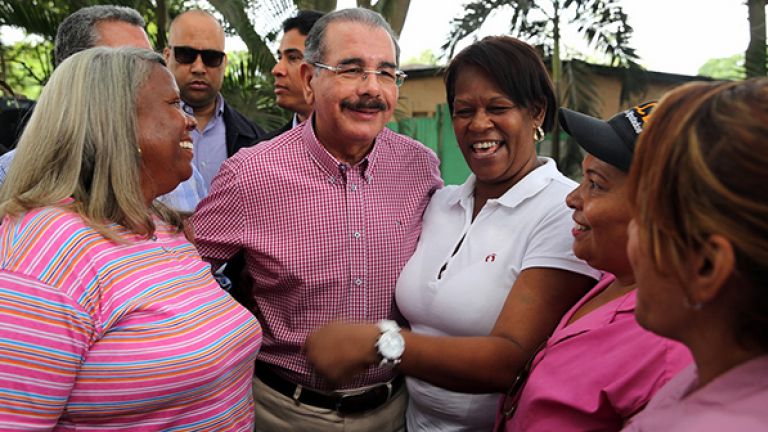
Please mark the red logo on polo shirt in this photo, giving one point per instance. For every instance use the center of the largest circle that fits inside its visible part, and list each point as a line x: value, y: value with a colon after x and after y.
x: 490, y: 258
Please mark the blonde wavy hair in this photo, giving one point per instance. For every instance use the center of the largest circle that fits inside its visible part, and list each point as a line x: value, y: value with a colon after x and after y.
x: 706, y: 173
x: 82, y: 143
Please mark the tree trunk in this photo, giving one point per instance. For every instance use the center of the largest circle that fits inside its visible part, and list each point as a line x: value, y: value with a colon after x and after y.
x: 557, y: 77
x: 394, y: 11
x: 3, y: 67
x: 234, y: 11
x: 318, y: 5
x: 161, y: 13
x: 755, y: 56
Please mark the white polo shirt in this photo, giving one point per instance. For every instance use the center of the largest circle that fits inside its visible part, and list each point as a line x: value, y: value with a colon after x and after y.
x: 529, y: 226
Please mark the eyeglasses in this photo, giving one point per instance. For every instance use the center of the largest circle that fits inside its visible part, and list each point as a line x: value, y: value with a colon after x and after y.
x: 354, y: 72
x: 187, y: 55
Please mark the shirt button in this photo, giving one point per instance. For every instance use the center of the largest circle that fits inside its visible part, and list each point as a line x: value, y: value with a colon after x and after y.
x: 358, y: 282
x: 356, y: 235
x: 353, y: 188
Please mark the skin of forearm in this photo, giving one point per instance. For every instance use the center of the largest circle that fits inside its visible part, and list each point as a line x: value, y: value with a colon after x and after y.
x: 482, y: 364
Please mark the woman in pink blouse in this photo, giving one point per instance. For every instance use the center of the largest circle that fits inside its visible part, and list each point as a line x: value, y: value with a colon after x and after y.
x: 599, y: 367
x: 109, y: 320
x: 699, y: 248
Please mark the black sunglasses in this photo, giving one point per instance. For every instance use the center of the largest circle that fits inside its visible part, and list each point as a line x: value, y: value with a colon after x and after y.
x: 187, y: 55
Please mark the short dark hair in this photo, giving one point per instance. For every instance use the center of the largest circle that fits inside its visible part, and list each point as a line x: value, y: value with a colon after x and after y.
x: 515, y: 67
x: 302, y: 21
x: 78, y: 31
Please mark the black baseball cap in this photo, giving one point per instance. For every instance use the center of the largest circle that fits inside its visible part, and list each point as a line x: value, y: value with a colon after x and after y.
x: 611, y: 141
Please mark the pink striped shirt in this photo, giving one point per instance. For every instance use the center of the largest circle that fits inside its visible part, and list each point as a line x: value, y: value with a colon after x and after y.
x: 105, y: 337
x: 324, y: 240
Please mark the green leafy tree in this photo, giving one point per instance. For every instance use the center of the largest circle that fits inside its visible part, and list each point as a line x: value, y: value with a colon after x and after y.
x: 603, y: 24
x: 252, y: 93
x: 42, y: 18
x: 728, y: 68
x: 427, y: 57
x: 27, y: 66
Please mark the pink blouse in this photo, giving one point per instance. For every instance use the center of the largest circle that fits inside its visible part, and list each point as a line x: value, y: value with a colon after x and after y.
x: 596, y: 372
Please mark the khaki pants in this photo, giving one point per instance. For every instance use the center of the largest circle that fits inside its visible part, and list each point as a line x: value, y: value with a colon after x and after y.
x: 276, y: 412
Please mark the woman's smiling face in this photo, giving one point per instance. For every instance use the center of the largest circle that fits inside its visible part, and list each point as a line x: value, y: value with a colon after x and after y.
x: 495, y: 135
x: 601, y: 214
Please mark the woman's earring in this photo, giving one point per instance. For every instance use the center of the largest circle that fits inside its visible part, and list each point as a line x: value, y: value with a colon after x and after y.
x: 538, y: 134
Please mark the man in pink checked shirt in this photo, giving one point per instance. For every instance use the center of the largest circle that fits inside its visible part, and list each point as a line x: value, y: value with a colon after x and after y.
x: 327, y: 215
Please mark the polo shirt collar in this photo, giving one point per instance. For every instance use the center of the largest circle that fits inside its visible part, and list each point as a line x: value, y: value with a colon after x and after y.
x: 527, y: 187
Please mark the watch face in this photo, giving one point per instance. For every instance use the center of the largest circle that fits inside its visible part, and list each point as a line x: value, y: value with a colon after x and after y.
x: 391, y: 345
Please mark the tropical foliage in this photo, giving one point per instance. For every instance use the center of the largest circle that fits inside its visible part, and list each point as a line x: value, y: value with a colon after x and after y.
x: 728, y: 68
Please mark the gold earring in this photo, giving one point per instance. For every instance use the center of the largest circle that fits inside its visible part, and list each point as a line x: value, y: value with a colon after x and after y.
x: 538, y: 134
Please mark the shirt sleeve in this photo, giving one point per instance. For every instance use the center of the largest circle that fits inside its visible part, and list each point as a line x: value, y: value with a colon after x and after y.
x: 5, y: 164
x: 551, y: 245
x: 434, y: 172
x: 218, y: 222
x: 44, y: 337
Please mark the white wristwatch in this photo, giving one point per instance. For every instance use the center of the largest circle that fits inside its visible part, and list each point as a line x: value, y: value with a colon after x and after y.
x: 390, y: 344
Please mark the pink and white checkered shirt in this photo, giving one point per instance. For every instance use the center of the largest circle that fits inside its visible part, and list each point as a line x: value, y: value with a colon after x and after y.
x: 324, y: 240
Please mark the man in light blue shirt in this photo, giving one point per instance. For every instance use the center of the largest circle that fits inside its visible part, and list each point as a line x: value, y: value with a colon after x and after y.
x: 195, y: 55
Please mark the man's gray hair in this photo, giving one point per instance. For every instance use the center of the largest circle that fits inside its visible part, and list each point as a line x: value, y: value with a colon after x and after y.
x: 78, y: 31
x: 314, y: 50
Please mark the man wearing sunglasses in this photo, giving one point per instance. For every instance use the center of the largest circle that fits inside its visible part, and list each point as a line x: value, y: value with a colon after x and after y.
x: 327, y: 214
x: 195, y: 55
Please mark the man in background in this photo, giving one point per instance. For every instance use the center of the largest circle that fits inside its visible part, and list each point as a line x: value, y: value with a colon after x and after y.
x: 289, y: 93
x: 195, y: 55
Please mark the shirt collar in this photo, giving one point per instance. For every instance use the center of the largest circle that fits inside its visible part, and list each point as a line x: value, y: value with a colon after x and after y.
x: 528, y: 186
x: 219, y: 107
x: 334, y: 168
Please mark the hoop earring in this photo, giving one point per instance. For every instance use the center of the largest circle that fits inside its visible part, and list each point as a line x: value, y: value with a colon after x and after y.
x: 538, y: 134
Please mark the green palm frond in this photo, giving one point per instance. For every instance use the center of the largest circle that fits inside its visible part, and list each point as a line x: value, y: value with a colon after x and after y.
x: 34, y: 16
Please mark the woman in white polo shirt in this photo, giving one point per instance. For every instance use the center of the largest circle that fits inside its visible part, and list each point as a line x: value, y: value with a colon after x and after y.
x: 493, y: 271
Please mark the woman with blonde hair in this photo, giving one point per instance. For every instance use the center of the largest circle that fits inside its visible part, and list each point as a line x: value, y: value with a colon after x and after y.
x: 698, y: 245
x: 109, y: 320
